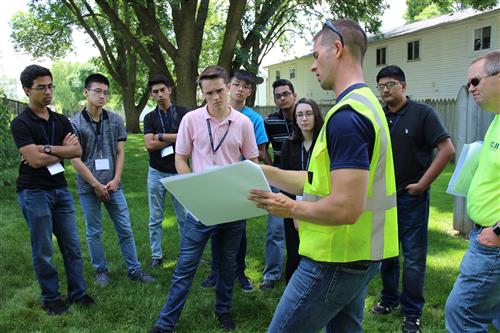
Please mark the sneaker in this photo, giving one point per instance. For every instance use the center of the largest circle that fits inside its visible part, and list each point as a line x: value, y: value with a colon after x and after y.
x: 411, y: 325
x: 156, y: 262
x: 84, y: 301
x: 267, y: 285
x: 383, y: 309
x: 245, y: 283
x: 141, y: 276
x: 102, y: 279
x: 159, y: 330
x: 210, y: 281
x: 226, y: 322
x: 55, y: 308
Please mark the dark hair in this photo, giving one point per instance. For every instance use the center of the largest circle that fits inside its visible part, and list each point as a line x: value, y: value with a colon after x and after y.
x: 31, y: 73
x: 391, y: 71
x: 158, y: 79
x: 211, y: 73
x: 244, y: 76
x: 318, y: 120
x: 355, y: 39
x: 97, y: 78
x: 283, y: 82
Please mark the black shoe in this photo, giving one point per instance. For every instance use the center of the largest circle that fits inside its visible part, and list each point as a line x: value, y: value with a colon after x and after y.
x: 156, y: 262
x: 383, y: 309
x: 267, y: 285
x: 141, y: 276
x: 55, y: 308
x: 411, y: 325
x: 210, y: 281
x: 226, y: 322
x: 84, y: 301
x: 159, y: 330
x: 245, y: 283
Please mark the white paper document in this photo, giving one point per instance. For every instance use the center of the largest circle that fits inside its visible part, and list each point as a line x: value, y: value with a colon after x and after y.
x: 465, y: 169
x: 219, y: 195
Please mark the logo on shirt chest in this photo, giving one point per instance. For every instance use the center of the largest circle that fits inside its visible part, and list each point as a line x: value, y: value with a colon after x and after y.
x: 494, y: 145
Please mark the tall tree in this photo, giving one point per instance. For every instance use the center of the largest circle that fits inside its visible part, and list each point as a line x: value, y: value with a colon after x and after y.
x: 424, y: 9
x: 171, y: 36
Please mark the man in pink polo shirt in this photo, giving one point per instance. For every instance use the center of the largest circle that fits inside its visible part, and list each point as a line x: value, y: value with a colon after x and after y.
x: 212, y: 135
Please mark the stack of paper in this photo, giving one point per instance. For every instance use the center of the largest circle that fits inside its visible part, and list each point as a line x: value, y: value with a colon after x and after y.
x: 465, y: 169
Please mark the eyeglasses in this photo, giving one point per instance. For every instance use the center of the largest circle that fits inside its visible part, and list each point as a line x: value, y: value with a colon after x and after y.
x: 475, y: 81
x: 284, y: 95
x: 98, y: 91
x: 332, y: 27
x: 43, y: 87
x: 308, y: 114
x: 241, y: 86
x: 389, y: 85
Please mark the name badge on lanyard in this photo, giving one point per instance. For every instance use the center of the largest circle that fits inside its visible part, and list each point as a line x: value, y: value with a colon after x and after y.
x: 167, y: 151
x: 55, y: 168
x: 100, y: 163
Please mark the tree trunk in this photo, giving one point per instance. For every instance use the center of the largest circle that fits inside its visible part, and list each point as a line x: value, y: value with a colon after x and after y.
x: 131, y: 114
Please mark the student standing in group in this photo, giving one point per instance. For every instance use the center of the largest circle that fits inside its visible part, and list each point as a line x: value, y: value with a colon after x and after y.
x: 295, y: 154
x: 278, y: 128
x: 415, y: 132
x: 241, y: 85
x: 44, y: 139
x: 212, y: 135
x: 102, y: 136
x: 160, y: 132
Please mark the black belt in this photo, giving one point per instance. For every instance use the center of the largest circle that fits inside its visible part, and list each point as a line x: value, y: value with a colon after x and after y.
x: 479, y: 227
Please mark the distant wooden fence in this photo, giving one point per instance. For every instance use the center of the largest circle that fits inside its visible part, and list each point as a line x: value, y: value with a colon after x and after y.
x: 15, y: 107
x: 465, y: 122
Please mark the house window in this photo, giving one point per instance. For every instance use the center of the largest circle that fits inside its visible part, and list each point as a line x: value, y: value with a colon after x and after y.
x: 482, y: 38
x: 381, y: 58
x: 413, y: 50
x: 292, y: 73
x: 277, y: 75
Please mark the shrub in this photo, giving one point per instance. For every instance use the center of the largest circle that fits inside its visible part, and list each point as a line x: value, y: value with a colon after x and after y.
x: 9, y: 156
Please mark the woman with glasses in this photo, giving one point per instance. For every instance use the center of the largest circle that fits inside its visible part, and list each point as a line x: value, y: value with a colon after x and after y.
x: 295, y: 154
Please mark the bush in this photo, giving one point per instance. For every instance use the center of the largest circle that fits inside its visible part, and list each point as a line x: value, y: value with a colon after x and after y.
x: 9, y: 156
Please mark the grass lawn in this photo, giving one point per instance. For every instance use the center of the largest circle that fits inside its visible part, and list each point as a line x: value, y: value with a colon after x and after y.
x: 128, y: 306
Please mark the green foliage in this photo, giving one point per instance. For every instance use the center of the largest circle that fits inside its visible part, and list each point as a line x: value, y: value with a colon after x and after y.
x: 9, y: 156
x: 424, y: 9
x: 43, y: 31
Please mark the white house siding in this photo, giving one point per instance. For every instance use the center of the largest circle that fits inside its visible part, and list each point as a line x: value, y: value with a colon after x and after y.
x: 446, y: 53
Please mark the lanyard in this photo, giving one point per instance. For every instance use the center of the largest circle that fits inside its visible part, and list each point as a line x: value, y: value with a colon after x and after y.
x: 99, y: 127
x: 212, y: 139
x: 52, y: 133
x: 302, y: 157
x: 169, y: 119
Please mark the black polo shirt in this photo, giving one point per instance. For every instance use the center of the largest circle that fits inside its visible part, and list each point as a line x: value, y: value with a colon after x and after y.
x: 415, y: 131
x: 27, y: 128
x: 278, y: 129
x: 153, y: 125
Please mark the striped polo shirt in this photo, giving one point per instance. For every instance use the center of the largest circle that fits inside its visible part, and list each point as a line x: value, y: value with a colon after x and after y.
x: 278, y: 129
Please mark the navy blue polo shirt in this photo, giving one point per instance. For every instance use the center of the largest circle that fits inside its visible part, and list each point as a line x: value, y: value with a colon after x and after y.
x: 27, y: 128
x: 415, y: 131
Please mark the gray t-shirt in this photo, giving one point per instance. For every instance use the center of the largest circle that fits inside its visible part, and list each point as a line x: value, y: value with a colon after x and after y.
x: 98, y: 141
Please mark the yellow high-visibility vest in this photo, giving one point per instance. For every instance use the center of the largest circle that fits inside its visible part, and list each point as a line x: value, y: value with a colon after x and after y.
x: 374, y: 235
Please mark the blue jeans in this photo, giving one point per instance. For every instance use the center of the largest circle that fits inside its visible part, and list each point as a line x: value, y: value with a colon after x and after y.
x: 156, y: 201
x: 50, y: 212
x: 474, y: 301
x: 194, y: 239
x: 413, y: 217
x: 118, y: 212
x: 274, y: 245
x: 330, y: 295
x: 240, y: 256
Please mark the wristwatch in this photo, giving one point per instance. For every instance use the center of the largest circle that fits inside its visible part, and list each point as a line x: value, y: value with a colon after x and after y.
x: 160, y: 137
x: 47, y: 149
x: 496, y: 229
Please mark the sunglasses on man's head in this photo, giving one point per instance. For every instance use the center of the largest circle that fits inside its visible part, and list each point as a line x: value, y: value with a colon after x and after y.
x: 333, y: 28
x: 476, y: 80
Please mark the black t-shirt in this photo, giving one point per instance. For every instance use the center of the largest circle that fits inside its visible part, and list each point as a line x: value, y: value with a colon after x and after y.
x: 27, y: 128
x: 294, y: 157
x: 168, y: 123
x: 278, y: 129
x: 415, y: 131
